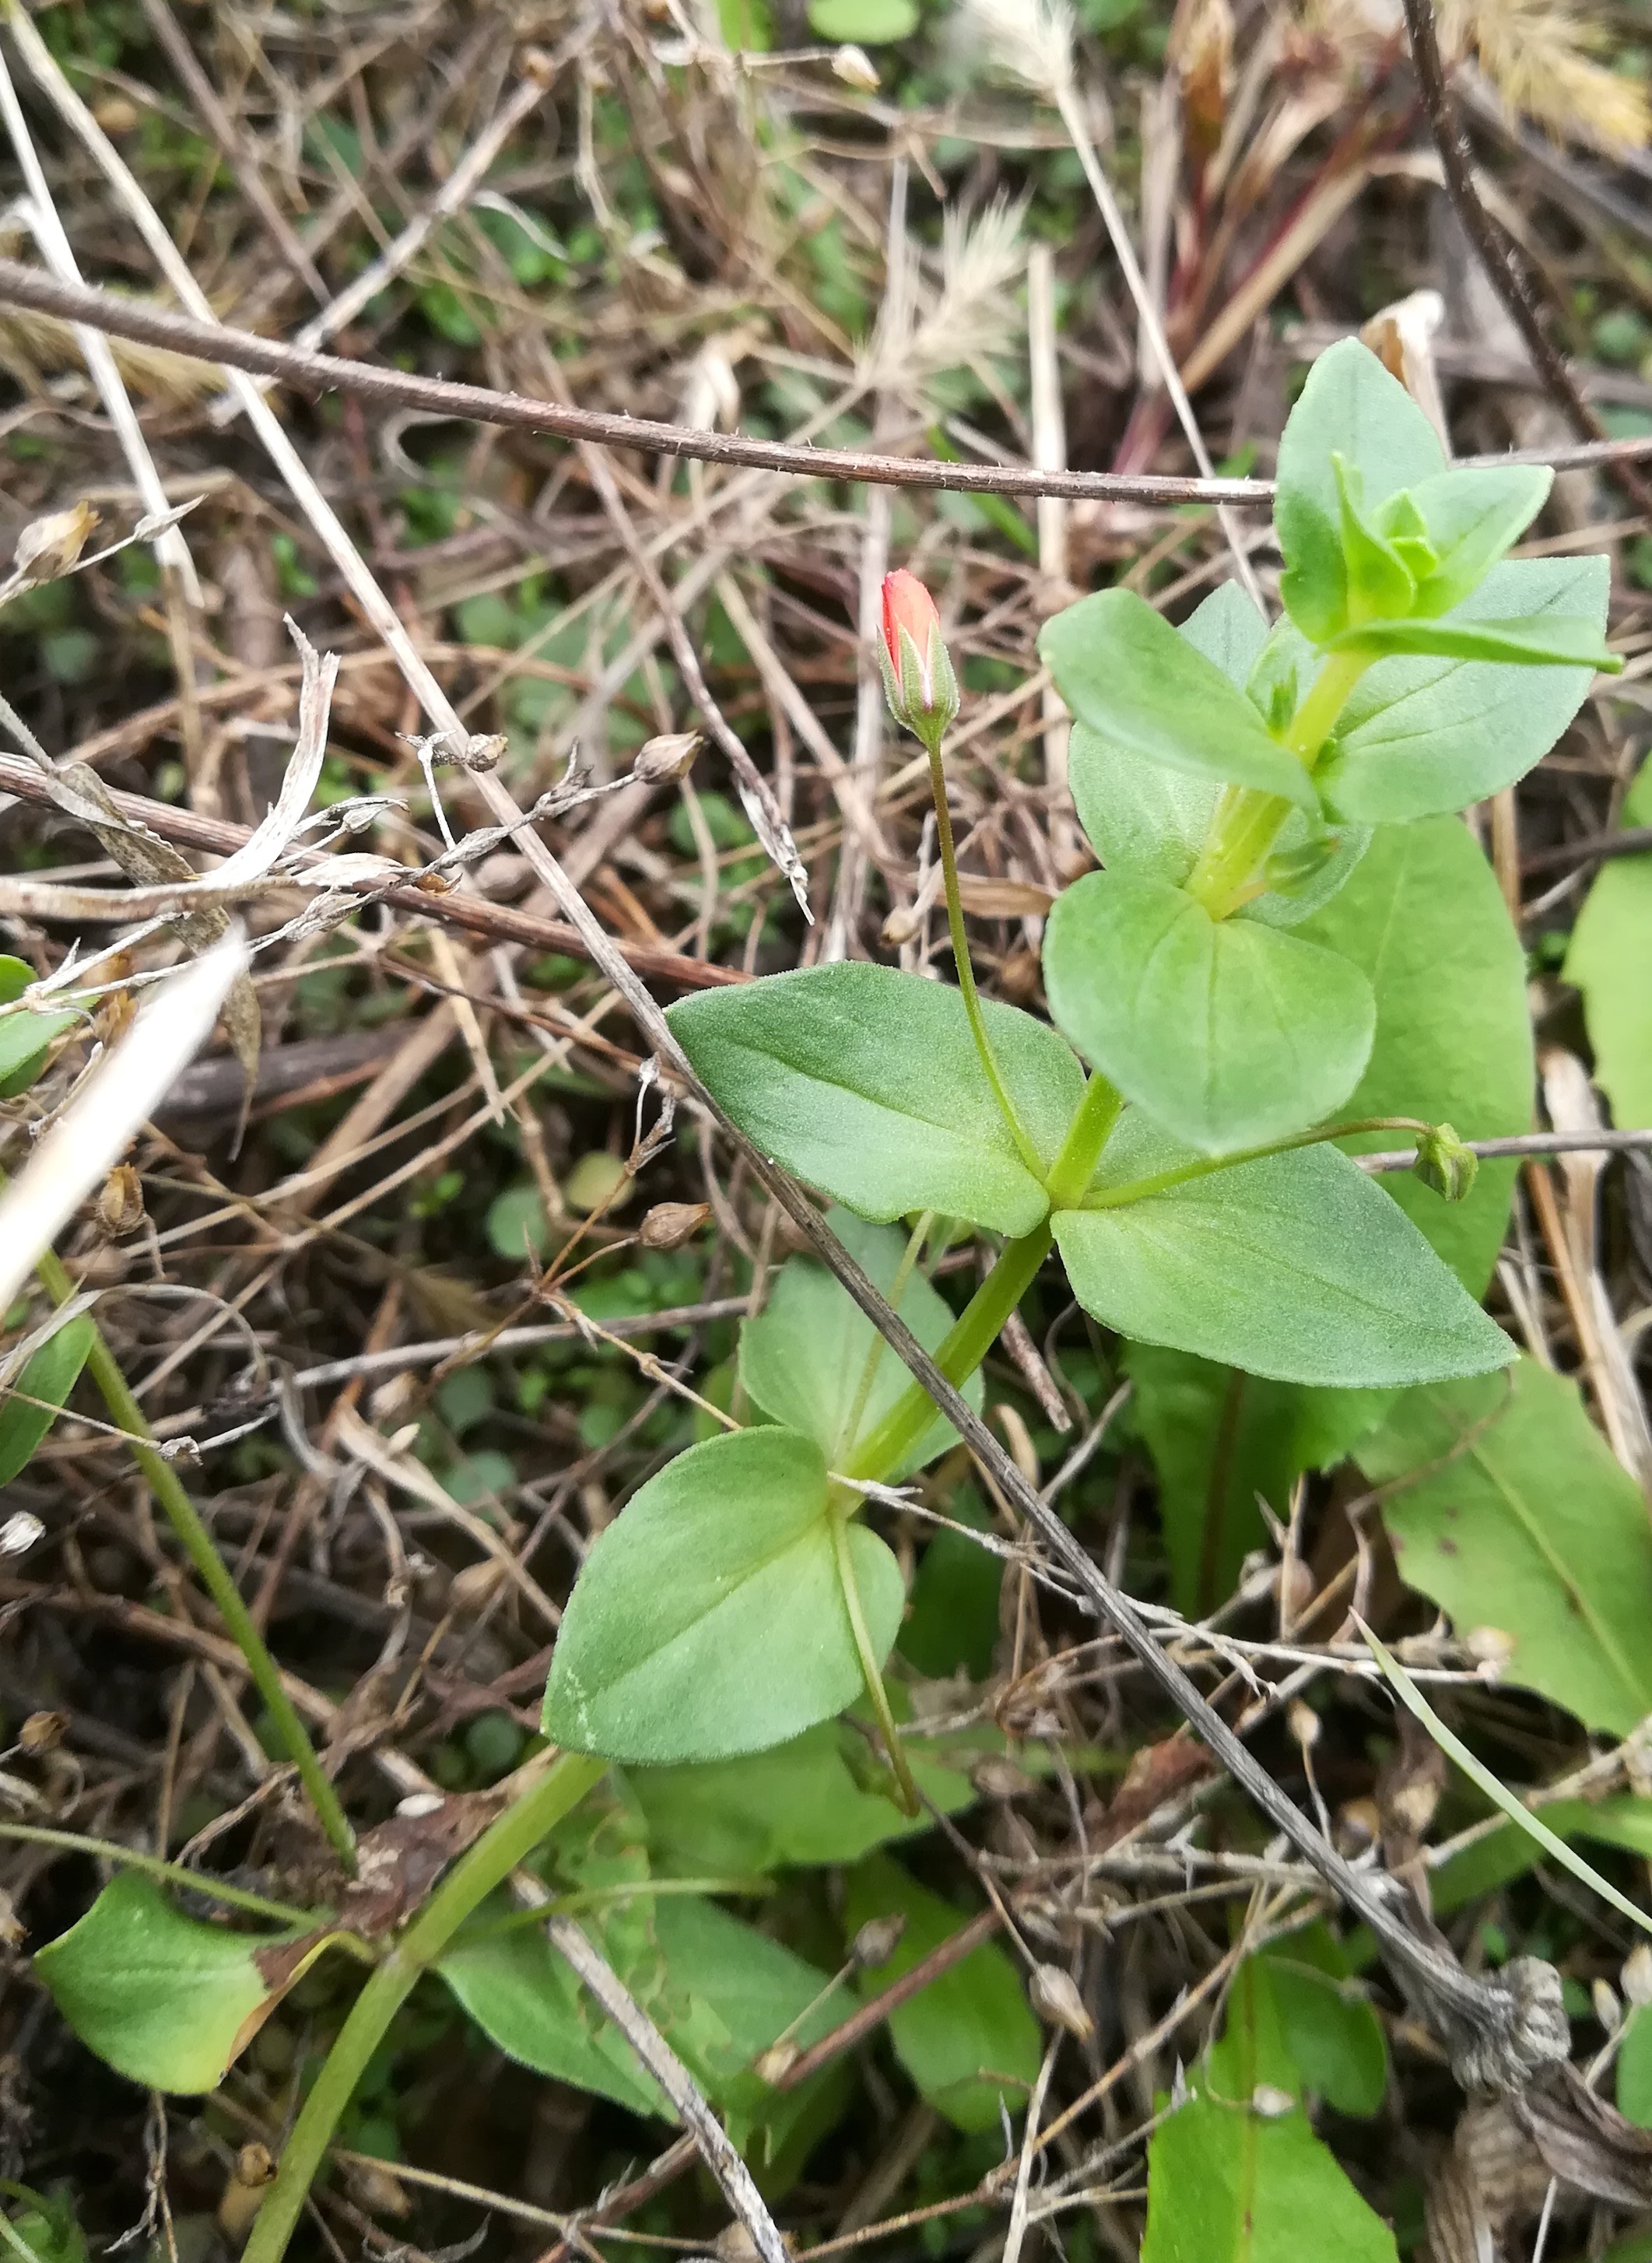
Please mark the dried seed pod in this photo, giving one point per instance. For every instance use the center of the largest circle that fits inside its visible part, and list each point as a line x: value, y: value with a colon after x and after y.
x: 670, y: 756
x: 876, y: 1942
x: 1303, y: 1722
x: 899, y: 927
x: 855, y: 68
x: 1635, y: 1979
x: 998, y: 1778
x: 43, y: 1732
x: 1490, y: 1648
x: 121, y: 1203
x: 243, y: 2195
x: 51, y: 546
x: 668, y: 1226
x: 776, y: 2063
x: 1608, y: 2010
x: 1053, y: 1995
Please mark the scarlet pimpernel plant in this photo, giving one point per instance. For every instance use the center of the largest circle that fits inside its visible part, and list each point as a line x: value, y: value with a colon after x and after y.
x: 1288, y: 932
x: 1174, y: 1138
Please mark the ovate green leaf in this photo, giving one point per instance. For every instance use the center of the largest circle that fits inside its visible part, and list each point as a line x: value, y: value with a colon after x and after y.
x: 165, y: 2000
x: 1219, y: 1438
x: 969, y: 2039
x: 1423, y: 918
x: 1349, y: 407
x: 800, y: 1803
x: 1419, y: 737
x: 866, y: 1082
x: 1520, y: 1518
x: 1295, y: 1266
x: 804, y: 1359
x: 1227, y: 1032
x: 1325, y: 2019
x: 1152, y: 694
x: 1611, y: 952
x: 708, y: 1619
x: 1232, y: 2179
x: 48, y: 1379
x: 1559, y: 639
x: 524, y: 1998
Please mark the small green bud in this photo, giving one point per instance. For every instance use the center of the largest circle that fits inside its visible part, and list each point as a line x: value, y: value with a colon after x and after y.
x: 1444, y: 1163
x: 1289, y: 870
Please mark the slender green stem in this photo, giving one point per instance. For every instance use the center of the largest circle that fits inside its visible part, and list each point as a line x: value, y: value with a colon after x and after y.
x: 1088, y: 1134
x: 876, y: 1349
x: 171, y: 1874
x: 471, y: 1879
x: 213, y: 1574
x: 1248, y: 822
x: 1029, y: 1154
x: 871, y: 1664
x: 1316, y: 718
x: 966, y: 1344
x: 1138, y: 1190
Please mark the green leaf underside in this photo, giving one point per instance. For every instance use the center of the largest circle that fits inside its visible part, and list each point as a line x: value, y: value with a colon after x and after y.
x: 1422, y: 736
x: 865, y: 1082
x: 1611, y: 950
x: 1227, y: 1032
x: 163, y: 1998
x: 1561, y: 641
x: 1220, y: 1439
x: 49, y: 1375
x: 25, y: 1040
x: 799, y: 1804
x: 1508, y: 1852
x: 1351, y: 407
x: 1423, y: 919
x: 1152, y: 694
x: 1228, y: 2185
x: 708, y: 1619
x: 1295, y: 1266
x: 968, y: 2040
x: 1326, y: 2022
x: 802, y: 1359
x: 719, y: 1991
x: 525, y: 1998
x: 1529, y: 1525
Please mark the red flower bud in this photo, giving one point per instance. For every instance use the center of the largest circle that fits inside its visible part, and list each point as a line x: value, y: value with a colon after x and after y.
x: 917, y: 678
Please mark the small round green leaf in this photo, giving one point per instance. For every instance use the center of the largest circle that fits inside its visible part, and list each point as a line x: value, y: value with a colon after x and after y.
x: 709, y: 1619
x: 40, y: 1390
x: 1227, y: 1032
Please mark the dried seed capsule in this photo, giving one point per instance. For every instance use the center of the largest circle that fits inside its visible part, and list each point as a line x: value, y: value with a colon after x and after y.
x: 670, y: 756
x: 668, y: 1226
x: 855, y: 68
x: 1635, y: 1979
x: 121, y: 1203
x: 876, y: 1942
x: 776, y: 2063
x: 1055, y: 1997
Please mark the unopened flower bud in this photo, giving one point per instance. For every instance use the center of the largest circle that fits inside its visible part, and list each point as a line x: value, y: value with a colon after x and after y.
x: 1055, y: 1997
x: 671, y: 755
x: 121, y: 1203
x: 51, y: 546
x: 918, y: 683
x: 855, y: 68
x: 668, y: 1226
x: 876, y: 1942
x: 1444, y: 1163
